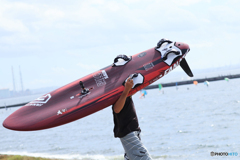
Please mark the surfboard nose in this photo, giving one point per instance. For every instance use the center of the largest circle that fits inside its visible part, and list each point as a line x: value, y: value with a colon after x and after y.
x: 24, y: 119
x: 21, y: 123
x: 11, y: 122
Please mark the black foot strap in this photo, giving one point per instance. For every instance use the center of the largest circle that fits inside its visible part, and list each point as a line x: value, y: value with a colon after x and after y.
x: 159, y: 44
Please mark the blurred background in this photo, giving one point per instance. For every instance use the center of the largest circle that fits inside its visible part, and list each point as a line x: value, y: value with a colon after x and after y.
x: 47, y: 44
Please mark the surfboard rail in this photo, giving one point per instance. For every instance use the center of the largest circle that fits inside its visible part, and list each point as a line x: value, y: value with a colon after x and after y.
x: 75, y: 100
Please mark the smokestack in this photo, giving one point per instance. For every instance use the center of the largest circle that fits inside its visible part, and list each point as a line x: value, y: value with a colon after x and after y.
x: 14, y: 87
x: 21, y: 78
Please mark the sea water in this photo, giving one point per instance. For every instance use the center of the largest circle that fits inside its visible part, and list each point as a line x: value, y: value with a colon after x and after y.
x: 184, y: 122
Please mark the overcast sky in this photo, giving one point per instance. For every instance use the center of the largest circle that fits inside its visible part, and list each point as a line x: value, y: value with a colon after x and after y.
x: 57, y: 41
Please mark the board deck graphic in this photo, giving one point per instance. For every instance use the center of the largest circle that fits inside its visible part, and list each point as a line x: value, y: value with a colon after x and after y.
x: 100, y: 89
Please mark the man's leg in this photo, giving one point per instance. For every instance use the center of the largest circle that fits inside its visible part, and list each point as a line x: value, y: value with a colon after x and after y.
x: 126, y: 157
x: 134, y: 148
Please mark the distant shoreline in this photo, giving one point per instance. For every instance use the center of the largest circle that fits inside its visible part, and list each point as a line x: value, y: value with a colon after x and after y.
x: 200, y: 80
x: 154, y: 86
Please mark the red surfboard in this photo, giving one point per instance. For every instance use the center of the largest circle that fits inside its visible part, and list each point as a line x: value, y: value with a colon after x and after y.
x: 100, y: 89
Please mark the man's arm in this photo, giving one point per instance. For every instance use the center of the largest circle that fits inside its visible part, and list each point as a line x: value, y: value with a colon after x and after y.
x: 118, y: 106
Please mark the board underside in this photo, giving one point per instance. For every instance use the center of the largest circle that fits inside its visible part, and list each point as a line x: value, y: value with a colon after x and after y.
x: 66, y: 104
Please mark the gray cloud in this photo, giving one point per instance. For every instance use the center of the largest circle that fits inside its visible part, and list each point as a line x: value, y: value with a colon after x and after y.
x: 59, y: 34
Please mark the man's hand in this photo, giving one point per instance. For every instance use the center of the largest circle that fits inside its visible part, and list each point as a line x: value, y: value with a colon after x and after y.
x: 118, y: 106
x: 128, y: 85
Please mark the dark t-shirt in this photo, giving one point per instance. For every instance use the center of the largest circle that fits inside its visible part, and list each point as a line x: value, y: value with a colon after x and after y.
x: 126, y: 120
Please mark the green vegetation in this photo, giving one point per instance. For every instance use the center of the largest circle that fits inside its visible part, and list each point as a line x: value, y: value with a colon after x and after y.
x: 17, y: 157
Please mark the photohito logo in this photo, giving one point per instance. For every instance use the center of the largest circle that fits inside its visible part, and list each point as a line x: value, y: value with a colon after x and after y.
x: 224, y: 153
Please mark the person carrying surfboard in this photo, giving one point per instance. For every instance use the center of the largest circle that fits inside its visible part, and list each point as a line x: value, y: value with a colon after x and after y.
x: 126, y: 126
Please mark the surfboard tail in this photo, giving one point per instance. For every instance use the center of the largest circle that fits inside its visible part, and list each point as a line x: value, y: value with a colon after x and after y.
x: 186, y: 68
